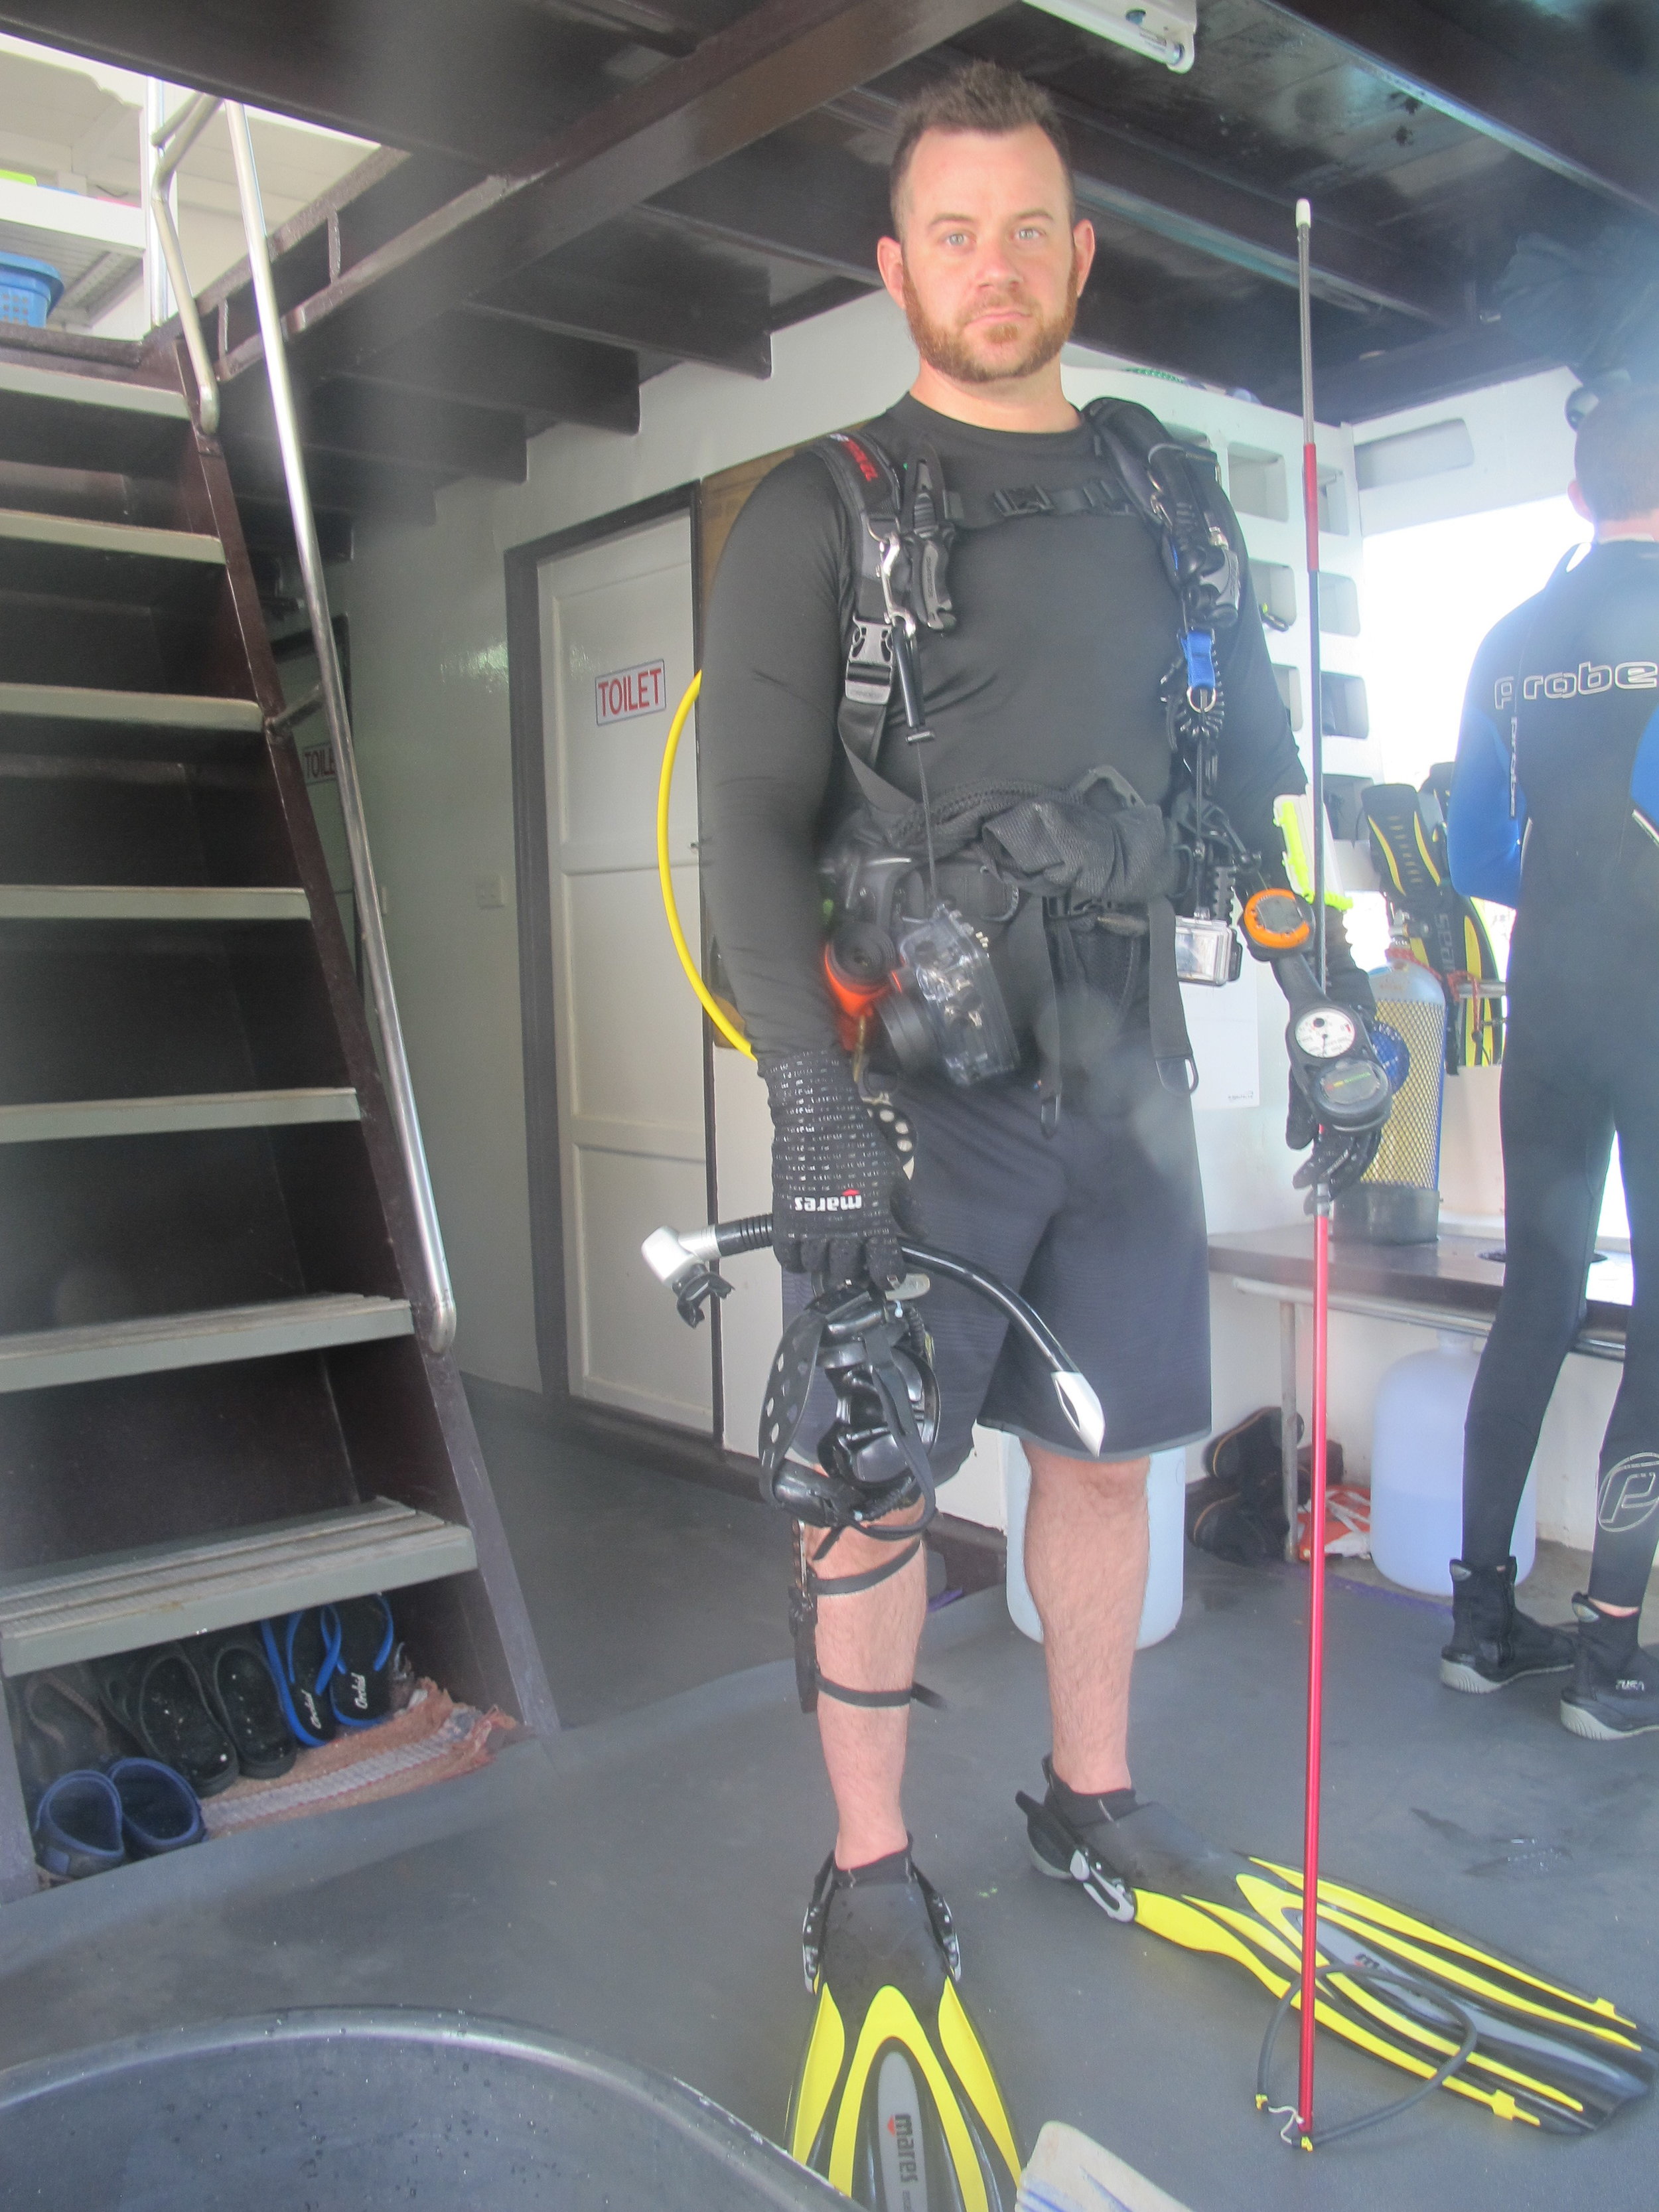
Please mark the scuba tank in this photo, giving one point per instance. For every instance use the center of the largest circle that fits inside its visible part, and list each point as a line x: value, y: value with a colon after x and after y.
x: 1397, y: 1200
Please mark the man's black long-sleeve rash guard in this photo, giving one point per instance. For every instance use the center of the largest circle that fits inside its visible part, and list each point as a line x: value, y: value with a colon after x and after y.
x: 1066, y: 625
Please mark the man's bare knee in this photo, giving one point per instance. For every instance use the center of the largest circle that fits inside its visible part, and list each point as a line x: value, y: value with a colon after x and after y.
x: 1111, y: 1482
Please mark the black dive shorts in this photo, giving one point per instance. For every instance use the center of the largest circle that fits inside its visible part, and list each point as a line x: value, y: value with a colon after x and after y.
x: 1101, y: 1227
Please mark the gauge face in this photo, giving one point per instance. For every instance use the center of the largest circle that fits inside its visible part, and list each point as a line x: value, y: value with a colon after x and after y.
x: 1325, y: 1032
x: 1277, y: 921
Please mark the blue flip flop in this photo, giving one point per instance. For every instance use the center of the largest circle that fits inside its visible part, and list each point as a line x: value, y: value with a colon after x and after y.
x: 78, y: 1826
x: 303, y: 1649
x: 359, y: 1688
x: 159, y: 1811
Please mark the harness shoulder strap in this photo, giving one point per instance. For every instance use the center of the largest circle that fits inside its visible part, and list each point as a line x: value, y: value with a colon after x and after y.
x: 871, y: 493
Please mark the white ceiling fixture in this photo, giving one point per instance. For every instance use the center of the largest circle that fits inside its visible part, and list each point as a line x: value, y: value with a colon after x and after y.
x: 1163, y: 30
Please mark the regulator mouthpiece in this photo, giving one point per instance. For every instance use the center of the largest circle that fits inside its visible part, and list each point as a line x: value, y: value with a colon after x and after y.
x: 686, y: 1267
x: 1083, y: 1408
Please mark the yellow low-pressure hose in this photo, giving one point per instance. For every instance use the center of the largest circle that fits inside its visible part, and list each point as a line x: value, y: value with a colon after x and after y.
x: 711, y: 1007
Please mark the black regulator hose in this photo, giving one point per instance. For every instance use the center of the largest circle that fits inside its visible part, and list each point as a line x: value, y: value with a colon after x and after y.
x: 684, y: 1261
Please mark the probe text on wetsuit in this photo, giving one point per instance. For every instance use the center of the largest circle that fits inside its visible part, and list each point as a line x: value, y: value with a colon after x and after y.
x: 1581, y: 682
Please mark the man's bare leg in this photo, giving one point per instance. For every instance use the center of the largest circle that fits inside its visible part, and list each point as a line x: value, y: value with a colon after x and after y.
x: 868, y: 1641
x: 1085, y: 1563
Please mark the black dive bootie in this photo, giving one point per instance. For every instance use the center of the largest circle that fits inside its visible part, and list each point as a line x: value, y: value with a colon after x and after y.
x: 1614, y: 1690
x: 1492, y: 1643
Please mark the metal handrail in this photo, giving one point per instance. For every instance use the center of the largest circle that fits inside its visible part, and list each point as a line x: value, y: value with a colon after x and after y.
x: 177, y: 136
x: 179, y: 133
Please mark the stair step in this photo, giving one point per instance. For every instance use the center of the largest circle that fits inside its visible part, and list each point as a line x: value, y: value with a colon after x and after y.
x: 182, y: 711
x: 61, y: 418
x: 67, y: 387
x: 20, y: 526
x: 61, y: 557
x: 151, y: 1117
x: 153, y: 902
x: 41, y: 1359
x: 123, y: 1601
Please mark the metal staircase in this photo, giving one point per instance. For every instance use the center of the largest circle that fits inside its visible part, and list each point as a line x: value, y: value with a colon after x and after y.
x: 219, y: 1396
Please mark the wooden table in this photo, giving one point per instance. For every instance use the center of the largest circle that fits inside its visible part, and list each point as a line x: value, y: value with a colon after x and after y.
x: 1451, y: 1285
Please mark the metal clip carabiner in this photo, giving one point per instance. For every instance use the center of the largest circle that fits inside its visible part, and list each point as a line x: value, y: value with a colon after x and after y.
x: 890, y: 547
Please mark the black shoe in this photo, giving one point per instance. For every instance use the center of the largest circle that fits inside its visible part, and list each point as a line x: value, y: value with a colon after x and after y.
x: 1614, y: 1690
x: 243, y: 1698
x: 156, y: 1696
x: 1491, y: 1644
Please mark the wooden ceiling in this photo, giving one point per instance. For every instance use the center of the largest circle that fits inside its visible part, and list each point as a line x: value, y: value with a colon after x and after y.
x: 574, y: 195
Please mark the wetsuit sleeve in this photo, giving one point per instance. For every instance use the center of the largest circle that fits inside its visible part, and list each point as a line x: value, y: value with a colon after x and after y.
x: 767, y: 748
x: 1483, y: 838
x: 1259, y: 759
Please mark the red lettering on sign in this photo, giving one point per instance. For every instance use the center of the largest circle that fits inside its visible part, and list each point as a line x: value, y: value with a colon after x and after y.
x: 626, y: 692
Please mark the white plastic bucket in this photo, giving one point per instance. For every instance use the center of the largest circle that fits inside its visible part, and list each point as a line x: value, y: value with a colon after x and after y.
x: 1417, y: 1470
x: 1166, y: 1504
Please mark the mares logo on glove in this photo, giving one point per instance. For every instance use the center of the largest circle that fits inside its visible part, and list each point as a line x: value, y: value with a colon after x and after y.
x: 834, y: 1175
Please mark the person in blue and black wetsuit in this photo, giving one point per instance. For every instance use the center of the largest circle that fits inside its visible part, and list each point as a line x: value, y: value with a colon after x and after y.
x: 1555, y: 811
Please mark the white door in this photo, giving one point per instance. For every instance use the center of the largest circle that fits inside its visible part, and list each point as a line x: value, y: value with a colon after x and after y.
x: 615, y: 658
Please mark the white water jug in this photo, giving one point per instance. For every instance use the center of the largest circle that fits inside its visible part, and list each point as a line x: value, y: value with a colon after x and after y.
x: 1166, y: 1501
x: 1417, y: 1469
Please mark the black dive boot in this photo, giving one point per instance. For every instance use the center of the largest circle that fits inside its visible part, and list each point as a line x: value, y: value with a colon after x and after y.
x: 1492, y: 1643
x: 1614, y: 1690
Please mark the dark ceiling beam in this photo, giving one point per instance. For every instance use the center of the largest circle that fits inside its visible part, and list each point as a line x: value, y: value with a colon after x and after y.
x: 374, y: 422
x: 367, y: 491
x: 1413, y: 376
x: 1125, y: 174
x: 268, y: 526
x: 1593, y: 126
x: 484, y: 81
x: 773, y: 65
x: 697, y: 325
x: 822, y: 206
x: 495, y: 362
x: 1248, y: 342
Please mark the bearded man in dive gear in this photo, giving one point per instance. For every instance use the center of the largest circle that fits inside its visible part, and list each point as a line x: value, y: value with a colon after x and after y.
x: 1557, y: 760
x: 1057, y: 666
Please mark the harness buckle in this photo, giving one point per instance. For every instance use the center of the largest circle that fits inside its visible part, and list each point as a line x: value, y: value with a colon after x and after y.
x: 869, y: 673
x: 1022, y: 498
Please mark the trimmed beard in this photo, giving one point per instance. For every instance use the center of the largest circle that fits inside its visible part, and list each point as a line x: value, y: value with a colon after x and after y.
x: 947, y: 351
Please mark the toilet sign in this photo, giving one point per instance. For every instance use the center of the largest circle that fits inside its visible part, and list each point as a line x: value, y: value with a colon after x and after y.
x: 630, y: 691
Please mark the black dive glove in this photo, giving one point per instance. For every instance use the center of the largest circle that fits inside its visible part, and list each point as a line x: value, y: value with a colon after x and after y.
x: 833, y: 1176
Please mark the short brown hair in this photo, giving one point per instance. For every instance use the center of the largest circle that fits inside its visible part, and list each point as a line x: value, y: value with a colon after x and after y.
x: 1616, y: 460
x: 980, y: 97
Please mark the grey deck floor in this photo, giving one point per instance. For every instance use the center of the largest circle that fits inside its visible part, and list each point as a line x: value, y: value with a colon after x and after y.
x: 639, y: 1885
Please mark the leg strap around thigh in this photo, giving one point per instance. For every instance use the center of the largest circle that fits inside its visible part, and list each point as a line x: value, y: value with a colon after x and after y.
x: 808, y: 1587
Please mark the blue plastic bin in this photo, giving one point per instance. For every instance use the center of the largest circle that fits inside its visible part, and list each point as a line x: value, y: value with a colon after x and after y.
x: 29, y: 290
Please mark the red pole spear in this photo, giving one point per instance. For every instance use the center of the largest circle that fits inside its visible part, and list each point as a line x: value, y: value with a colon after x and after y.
x: 1321, y: 1235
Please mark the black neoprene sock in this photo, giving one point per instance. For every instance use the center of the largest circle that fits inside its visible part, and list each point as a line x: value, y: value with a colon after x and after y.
x: 895, y: 1867
x: 1088, y: 1811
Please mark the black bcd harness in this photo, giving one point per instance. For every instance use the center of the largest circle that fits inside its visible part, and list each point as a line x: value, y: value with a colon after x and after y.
x: 1029, y: 879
